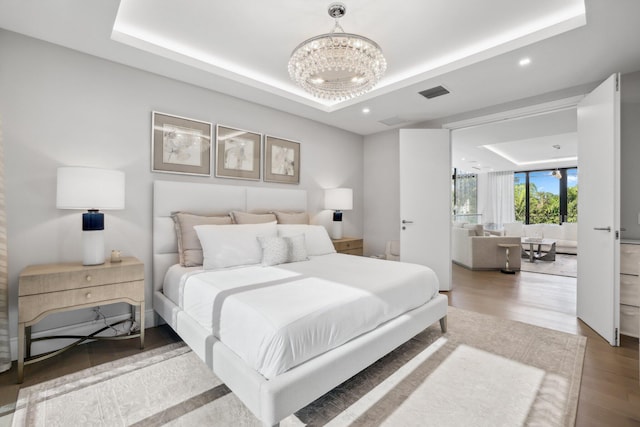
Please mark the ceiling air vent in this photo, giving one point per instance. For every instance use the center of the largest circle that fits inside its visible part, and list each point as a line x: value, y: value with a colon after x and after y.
x: 393, y: 121
x: 434, y: 92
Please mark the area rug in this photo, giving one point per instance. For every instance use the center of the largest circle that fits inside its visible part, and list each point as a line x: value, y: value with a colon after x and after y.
x: 564, y: 265
x: 484, y: 371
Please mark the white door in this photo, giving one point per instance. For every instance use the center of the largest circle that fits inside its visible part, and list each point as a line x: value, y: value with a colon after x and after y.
x: 599, y: 210
x: 425, y: 200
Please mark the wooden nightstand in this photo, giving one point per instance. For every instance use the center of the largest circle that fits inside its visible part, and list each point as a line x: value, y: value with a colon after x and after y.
x: 50, y: 288
x: 349, y: 245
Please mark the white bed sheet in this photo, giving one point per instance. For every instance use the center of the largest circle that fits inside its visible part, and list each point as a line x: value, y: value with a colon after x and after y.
x: 275, y: 318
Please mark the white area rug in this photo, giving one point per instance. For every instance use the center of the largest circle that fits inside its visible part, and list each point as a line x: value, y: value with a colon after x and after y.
x: 484, y: 372
x: 564, y: 265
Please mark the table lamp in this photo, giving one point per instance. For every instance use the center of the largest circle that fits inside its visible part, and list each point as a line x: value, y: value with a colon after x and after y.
x: 338, y: 199
x: 92, y: 189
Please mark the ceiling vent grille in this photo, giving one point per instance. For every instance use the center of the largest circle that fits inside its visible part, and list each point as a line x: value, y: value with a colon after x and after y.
x: 434, y: 92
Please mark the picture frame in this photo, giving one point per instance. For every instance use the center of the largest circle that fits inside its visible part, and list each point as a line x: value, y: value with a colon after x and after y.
x: 238, y: 153
x: 281, y: 160
x: 180, y: 145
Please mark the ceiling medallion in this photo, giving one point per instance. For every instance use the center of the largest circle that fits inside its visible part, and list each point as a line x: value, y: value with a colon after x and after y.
x: 337, y: 66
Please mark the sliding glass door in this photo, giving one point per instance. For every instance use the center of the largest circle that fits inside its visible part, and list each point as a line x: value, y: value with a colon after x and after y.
x: 546, y: 196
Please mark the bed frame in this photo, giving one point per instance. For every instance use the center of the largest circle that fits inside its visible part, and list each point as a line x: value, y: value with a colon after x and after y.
x: 269, y: 400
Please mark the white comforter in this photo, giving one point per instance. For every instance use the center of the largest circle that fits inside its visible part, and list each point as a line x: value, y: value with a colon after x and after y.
x: 278, y: 317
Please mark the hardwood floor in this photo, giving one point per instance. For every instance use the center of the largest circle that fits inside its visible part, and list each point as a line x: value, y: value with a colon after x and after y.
x: 609, y: 393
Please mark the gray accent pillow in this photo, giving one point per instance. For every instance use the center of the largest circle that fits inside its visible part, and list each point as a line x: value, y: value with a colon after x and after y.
x: 280, y: 250
x: 275, y: 250
x: 189, y: 248
x: 297, y: 248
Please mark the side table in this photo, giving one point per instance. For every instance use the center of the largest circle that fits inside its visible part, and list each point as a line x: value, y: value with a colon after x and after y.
x: 349, y: 245
x: 50, y: 288
x: 507, y: 246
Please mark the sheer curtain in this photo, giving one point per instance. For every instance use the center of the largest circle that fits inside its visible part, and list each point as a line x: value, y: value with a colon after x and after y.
x: 5, y: 352
x: 499, y: 208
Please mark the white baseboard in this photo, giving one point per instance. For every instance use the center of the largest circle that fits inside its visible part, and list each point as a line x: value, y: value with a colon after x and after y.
x: 85, y: 328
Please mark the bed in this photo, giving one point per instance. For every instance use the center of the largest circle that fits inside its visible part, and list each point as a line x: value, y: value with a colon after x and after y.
x: 274, y: 390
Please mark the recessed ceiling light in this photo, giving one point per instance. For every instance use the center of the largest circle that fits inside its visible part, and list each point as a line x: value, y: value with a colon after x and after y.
x: 366, y: 110
x: 524, y: 62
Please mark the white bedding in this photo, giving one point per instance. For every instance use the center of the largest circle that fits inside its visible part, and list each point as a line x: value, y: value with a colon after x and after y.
x: 277, y: 317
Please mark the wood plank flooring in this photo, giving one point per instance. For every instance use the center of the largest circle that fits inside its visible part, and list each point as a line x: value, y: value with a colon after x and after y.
x: 610, y: 391
x: 609, y: 394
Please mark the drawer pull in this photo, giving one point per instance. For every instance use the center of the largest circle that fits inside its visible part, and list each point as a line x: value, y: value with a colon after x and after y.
x: 88, y: 278
x: 88, y: 295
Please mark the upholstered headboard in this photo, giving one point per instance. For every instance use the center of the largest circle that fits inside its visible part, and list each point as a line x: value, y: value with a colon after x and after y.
x: 207, y: 199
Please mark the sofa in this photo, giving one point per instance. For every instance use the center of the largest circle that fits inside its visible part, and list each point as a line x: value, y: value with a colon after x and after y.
x: 566, y: 235
x: 471, y: 248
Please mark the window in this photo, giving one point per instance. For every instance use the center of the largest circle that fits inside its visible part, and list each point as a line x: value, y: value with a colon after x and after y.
x: 546, y: 196
x: 571, y: 214
x: 465, y: 197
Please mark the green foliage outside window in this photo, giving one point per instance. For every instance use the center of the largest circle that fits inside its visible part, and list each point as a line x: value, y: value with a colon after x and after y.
x: 544, y: 207
x: 572, y: 204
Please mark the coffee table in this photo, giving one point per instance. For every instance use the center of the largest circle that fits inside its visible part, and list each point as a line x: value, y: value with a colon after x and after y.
x: 545, y: 251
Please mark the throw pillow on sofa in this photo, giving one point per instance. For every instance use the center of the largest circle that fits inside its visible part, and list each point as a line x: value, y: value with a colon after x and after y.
x: 477, y: 228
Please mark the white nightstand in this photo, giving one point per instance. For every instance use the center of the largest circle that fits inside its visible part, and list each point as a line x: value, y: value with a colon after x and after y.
x: 49, y: 288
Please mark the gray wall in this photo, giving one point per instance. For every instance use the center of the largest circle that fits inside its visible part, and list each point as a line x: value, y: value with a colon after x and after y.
x: 381, y: 191
x: 61, y: 107
x: 630, y: 156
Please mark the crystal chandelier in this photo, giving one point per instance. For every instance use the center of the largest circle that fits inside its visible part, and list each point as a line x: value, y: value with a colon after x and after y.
x: 338, y: 65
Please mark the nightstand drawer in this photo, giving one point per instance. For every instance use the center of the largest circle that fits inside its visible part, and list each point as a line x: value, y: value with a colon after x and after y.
x: 629, y: 320
x: 348, y: 245
x: 629, y: 259
x: 32, y: 306
x: 630, y: 290
x: 357, y: 251
x: 40, y: 279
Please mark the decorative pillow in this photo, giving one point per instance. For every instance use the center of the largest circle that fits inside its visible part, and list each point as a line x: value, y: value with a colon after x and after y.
x: 232, y: 245
x: 251, y: 218
x: 477, y: 228
x: 291, y: 217
x: 297, y: 248
x: 275, y: 250
x: 279, y: 250
x: 513, y: 229
x: 316, y: 238
x: 189, y: 248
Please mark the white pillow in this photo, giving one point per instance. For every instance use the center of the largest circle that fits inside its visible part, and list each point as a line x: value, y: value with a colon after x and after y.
x: 232, y: 245
x: 316, y: 237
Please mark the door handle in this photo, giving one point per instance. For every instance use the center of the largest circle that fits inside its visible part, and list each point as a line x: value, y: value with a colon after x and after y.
x: 602, y: 228
x: 404, y: 221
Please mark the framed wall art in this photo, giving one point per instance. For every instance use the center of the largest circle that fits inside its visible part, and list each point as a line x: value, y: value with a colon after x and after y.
x: 238, y: 153
x: 180, y: 145
x: 281, y: 160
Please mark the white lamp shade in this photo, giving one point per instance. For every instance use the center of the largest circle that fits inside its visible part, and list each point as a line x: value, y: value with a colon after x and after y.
x: 338, y: 199
x: 90, y: 188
